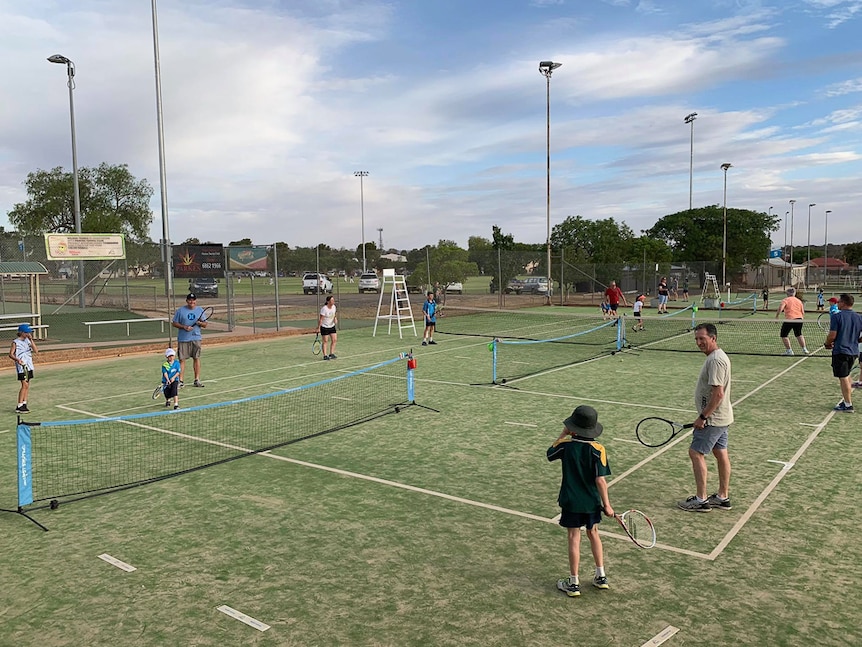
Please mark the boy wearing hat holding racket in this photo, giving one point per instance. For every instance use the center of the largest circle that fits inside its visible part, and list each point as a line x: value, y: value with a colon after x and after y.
x: 583, y: 492
x: 171, y: 379
x: 21, y: 353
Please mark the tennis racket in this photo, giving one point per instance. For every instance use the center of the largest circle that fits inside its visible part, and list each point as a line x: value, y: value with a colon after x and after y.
x: 823, y: 320
x: 315, y: 345
x: 655, y: 432
x: 205, y: 315
x: 638, y: 527
x: 160, y: 389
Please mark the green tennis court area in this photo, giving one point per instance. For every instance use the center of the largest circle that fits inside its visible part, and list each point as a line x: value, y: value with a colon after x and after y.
x: 431, y: 524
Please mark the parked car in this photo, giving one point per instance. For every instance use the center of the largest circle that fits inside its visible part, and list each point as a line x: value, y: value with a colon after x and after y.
x: 514, y: 285
x: 455, y: 288
x: 204, y: 287
x: 536, y: 285
x: 312, y: 283
x: 369, y: 282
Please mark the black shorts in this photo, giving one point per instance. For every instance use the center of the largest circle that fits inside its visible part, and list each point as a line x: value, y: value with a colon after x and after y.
x: 171, y: 390
x: 614, y: 306
x: 841, y: 365
x: 431, y: 324
x: 578, y: 519
x: 795, y: 325
x: 26, y: 374
x: 324, y: 331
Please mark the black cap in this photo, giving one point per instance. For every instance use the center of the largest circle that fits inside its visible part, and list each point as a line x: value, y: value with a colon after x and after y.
x: 190, y: 296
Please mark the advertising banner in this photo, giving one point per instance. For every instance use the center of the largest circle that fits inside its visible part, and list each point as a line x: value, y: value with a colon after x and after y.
x: 248, y: 259
x: 85, y: 247
x: 198, y: 261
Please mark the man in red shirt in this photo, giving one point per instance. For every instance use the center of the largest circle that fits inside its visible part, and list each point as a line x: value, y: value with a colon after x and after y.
x: 614, y: 295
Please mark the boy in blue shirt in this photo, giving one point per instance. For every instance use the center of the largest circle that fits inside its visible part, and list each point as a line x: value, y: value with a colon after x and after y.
x: 171, y: 378
x: 583, y: 492
x: 429, y: 309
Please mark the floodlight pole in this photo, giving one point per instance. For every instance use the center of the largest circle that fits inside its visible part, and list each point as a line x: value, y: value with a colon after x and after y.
x: 689, y: 119
x: 784, y: 251
x: 826, y: 244
x: 724, y: 168
x: 808, y: 262
x: 361, y: 175
x: 792, y: 202
x: 546, y: 68
x: 70, y: 71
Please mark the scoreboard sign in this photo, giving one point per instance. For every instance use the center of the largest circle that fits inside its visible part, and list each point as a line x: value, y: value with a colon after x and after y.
x: 198, y: 261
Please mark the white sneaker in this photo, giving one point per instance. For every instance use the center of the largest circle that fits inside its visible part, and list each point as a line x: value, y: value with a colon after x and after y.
x: 788, y: 352
x: 805, y: 350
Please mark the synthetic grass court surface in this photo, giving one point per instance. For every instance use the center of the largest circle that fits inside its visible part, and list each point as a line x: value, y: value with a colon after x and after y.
x: 466, y: 556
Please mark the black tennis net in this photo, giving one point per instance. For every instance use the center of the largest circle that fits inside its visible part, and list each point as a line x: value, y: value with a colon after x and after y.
x: 74, y: 459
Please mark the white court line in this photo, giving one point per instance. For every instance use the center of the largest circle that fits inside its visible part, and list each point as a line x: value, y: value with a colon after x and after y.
x: 238, y: 615
x: 5, y: 431
x: 520, y: 424
x: 627, y: 440
x: 661, y: 637
x: 113, y: 561
x: 772, y: 485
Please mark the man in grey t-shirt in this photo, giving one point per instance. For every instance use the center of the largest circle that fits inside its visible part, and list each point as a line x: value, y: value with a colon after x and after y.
x: 712, y: 399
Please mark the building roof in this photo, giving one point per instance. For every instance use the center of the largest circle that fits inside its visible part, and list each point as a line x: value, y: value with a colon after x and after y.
x: 831, y: 263
x: 22, y: 267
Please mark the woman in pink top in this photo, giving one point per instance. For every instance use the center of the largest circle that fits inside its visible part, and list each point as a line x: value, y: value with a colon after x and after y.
x: 794, y: 312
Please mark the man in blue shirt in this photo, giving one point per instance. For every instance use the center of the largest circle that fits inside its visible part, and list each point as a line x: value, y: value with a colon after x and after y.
x: 845, y: 329
x: 188, y: 321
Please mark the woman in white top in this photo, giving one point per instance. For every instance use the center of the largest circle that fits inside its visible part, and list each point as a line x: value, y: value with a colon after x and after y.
x: 326, y: 326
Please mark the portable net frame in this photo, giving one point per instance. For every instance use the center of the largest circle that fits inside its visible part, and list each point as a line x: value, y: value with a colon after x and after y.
x: 75, y: 459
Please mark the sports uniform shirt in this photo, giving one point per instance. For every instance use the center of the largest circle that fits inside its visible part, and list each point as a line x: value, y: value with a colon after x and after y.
x: 171, y: 368
x: 848, y: 325
x: 715, y: 372
x: 430, y: 310
x: 186, y: 316
x: 793, y: 308
x: 638, y: 306
x: 24, y: 352
x: 328, y: 315
x: 583, y: 461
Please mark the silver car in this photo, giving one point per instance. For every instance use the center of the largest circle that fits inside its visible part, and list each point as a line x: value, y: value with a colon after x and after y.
x: 369, y: 282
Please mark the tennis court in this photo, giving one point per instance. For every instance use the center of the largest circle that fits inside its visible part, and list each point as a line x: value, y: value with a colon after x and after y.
x: 434, y: 526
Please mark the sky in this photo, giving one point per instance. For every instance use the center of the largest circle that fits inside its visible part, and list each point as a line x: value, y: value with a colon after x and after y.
x: 271, y: 106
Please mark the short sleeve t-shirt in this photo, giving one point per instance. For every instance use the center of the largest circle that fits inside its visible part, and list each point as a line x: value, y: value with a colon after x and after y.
x: 715, y: 372
x: 638, y: 306
x: 328, y: 315
x: 186, y: 316
x: 430, y: 310
x: 583, y: 461
x: 848, y: 325
x: 793, y: 308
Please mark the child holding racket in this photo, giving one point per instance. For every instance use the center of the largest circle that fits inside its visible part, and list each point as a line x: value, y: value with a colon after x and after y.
x: 171, y: 378
x: 638, y: 312
x: 21, y: 353
x: 583, y: 492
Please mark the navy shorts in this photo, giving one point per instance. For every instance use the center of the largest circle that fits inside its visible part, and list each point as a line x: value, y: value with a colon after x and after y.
x: 578, y: 519
x: 841, y: 365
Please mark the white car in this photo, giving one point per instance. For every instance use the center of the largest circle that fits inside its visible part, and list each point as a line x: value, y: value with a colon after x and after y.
x: 313, y: 283
x: 455, y: 288
x: 369, y: 282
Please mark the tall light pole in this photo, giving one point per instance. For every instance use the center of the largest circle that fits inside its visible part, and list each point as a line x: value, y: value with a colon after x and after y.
x: 689, y: 119
x: 825, y: 244
x: 792, y: 202
x: 808, y: 262
x: 380, y: 231
x: 361, y: 175
x: 70, y: 71
x: 546, y: 68
x: 167, y: 259
x: 724, y: 168
x: 784, y: 251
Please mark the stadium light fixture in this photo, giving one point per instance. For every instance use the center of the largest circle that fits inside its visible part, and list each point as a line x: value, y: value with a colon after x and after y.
x: 546, y: 68
x: 689, y: 119
x: 361, y: 175
x: 70, y: 72
x: 724, y: 168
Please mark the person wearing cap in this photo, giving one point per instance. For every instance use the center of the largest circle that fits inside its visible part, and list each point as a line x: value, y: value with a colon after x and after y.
x: 188, y: 320
x: 833, y: 305
x: 845, y: 333
x: 794, y: 313
x: 171, y: 379
x: 21, y: 352
x: 712, y: 399
x: 583, y: 492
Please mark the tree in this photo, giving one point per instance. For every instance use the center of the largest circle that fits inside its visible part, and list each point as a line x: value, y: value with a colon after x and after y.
x: 698, y: 235
x: 112, y: 201
x: 449, y: 263
x: 853, y: 254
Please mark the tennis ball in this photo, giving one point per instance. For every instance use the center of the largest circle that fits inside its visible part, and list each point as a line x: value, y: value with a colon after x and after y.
x: 694, y: 308
x: 491, y: 346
